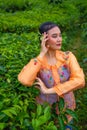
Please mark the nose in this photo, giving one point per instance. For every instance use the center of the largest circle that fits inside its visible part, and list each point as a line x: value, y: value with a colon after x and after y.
x: 59, y: 38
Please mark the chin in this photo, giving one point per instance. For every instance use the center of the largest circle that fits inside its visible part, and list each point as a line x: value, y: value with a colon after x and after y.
x: 56, y: 48
x: 59, y: 48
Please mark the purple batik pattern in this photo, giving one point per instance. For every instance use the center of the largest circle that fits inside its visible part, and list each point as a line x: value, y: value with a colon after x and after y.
x: 63, y: 73
x: 47, y: 77
x: 68, y: 97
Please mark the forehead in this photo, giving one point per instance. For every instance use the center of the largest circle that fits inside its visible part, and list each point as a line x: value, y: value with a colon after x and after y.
x: 54, y: 30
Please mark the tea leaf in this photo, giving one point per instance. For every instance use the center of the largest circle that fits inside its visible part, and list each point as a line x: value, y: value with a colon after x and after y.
x: 39, y: 110
x: 72, y: 113
x: 61, y: 123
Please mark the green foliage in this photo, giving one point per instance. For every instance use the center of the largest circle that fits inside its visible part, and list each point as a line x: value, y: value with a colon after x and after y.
x: 15, y: 100
x: 56, y: 1
x: 19, y: 42
x: 63, y: 112
x: 84, y: 30
x: 67, y: 15
x: 41, y: 120
x: 13, y: 5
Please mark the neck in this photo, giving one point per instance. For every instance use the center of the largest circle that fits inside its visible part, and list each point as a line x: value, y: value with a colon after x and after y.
x: 51, y: 53
x: 51, y: 57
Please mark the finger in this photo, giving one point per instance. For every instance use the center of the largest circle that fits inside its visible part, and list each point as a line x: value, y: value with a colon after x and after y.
x: 38, y: 79
x: 45, y: 37
x: 37, y: 87
x: 37, y: 83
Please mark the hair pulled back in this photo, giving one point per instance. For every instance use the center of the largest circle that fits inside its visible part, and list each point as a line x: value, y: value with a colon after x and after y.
x: 46, y: 27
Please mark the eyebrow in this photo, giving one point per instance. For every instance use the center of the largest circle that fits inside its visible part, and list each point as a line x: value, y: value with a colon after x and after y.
x: 55, y: 33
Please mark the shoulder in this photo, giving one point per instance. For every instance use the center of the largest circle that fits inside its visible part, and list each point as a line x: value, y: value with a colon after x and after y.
x: 63, y: 52
x: 66, y: 54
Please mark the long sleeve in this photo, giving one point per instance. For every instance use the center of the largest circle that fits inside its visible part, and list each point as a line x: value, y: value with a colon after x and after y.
x: 77, y: 79
x: 29, y: 72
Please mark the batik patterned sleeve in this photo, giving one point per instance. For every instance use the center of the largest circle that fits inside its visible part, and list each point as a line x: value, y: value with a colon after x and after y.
x: 29, y: 72
x: 76, y: 80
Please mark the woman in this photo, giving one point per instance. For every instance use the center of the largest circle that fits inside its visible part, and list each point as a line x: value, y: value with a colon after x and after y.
x: 56, y: 73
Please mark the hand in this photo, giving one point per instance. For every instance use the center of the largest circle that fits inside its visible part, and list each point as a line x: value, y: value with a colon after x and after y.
x: 40, y: 85
x: 44, y: 47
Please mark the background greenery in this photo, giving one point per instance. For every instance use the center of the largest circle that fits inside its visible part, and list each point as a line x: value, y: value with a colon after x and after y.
x: 19, y: 42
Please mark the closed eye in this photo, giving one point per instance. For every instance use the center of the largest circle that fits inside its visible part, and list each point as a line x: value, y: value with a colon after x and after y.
x: 56, y: 35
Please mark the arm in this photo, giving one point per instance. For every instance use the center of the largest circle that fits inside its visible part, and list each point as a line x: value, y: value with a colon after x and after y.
x: 76, y: 80
x: 29, y: 72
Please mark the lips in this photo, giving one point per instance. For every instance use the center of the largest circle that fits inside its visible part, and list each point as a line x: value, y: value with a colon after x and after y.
x: 58, y: 44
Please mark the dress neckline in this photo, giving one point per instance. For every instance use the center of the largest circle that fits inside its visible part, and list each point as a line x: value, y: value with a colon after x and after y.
x: 59, y: 58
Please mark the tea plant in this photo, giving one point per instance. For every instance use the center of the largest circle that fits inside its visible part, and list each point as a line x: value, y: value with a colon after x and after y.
x: 19, y: 42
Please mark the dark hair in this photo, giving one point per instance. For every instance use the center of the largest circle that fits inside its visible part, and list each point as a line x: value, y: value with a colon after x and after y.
x: 44, y: 27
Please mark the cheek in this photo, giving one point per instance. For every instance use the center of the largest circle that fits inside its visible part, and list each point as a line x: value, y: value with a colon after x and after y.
x: 61, y: 38
x: 51, y: 41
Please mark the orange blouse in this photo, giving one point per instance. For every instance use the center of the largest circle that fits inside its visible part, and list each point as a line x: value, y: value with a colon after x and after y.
x: 29, y: 72
x: 65, y: 89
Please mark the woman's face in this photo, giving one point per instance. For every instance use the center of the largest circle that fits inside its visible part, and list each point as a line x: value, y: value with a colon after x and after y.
x: 54, y: 38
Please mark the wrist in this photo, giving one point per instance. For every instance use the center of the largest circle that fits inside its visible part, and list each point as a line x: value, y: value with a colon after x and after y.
x: 46, y: 91
x: 50, y: 91
x: 41, y: 55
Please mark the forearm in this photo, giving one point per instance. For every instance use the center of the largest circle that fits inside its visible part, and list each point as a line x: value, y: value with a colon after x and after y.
x: 71, y: 85
x: 76, y: 80
x: 50, y: 91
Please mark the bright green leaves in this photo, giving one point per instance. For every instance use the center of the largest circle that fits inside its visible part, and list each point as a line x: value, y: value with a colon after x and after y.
x: 61, y: 105
x: 2, y: 126
x: 61, y: 122
x: 63, y: 112
x: 10, y: 112
x: 41, y: 120
x: 72, y: 113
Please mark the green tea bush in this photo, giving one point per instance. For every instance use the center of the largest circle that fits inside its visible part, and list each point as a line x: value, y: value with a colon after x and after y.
x: 65, y: 16
x: 16, y: 101
x: 84, y: 30
x: 56, y: 1
x: 13, y: 5
x: 19, y: 43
